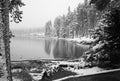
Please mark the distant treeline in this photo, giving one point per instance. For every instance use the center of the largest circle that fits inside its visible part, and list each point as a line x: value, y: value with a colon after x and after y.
x: 76, y: 23
x: 29, y: 31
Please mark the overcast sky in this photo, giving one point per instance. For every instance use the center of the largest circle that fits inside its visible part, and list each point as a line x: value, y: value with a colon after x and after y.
x: 37, y: 12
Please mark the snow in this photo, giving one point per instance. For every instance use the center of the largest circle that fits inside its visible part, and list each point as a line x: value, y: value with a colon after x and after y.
x: 86, y: 71
x: 36, y: 76
x: 72, y: 66
x: 16, y: 70
x: 86, y: 39
x: 78, y: 39
x: 83, y: 71
x: 69, y: 63
x: 37, y: 34
x: 98, y: 46
x: 14, y: 79
x: 82, y: 39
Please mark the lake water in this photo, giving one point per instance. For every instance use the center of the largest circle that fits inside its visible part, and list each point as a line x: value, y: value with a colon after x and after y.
x: 44, y: 48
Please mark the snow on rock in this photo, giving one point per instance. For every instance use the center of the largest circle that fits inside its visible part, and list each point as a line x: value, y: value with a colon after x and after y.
x: 80, y: 71
x: 16, y: 70
x: 36, y: 76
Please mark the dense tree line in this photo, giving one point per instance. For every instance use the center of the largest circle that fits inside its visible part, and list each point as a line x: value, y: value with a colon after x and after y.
x: 76, y: 23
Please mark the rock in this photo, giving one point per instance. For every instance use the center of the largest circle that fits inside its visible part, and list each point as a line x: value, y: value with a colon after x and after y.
x: 63, y: 66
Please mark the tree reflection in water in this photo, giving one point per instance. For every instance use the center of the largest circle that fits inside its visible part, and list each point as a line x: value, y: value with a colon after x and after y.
x: 48, y: 46
x: 67, y: 50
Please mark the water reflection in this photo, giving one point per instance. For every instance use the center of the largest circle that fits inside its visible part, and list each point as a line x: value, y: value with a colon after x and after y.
x: 68, y: 50
x: 31, y: 48
x: 48, y: 46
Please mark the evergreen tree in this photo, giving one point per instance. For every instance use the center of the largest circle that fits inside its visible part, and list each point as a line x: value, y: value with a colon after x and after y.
x: 69, y: 19
x: 105, y: 48
x: 63, y: 27
x: 48, y: 29
x: 57, y: 25
x: 76, y: 23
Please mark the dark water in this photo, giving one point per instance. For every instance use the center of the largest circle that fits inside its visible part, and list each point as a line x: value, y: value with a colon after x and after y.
x: 44, y: 48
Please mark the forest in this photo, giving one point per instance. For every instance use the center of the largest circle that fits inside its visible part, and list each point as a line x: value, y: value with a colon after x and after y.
x: 75, y: 24
x: 97, y: 19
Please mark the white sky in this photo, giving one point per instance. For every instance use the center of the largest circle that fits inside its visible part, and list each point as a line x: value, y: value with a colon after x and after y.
x: 37, y: 12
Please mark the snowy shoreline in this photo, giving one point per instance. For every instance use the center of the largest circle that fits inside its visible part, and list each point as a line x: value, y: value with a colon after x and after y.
x: 82, y: 41
x: 75, y: 68
x: 85, y: 74
x: 54, y: 67
x: 78, y: 40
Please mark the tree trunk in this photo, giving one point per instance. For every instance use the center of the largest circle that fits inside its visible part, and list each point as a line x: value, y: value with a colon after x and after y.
x: 3, y: 66
x: 6, y: 36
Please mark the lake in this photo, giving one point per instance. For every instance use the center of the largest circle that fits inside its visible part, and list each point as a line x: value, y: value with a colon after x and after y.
x: 23, y: 48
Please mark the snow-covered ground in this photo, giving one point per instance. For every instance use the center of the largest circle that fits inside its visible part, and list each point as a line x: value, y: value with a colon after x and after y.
x: 82, y: 40
x: 80, y: 71
x: 84, y: 71
x: 86, y: 40
x: 92, y: 71
x: 57, y: 67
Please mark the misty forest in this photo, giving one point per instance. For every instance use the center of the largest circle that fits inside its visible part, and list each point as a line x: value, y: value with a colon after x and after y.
x: 81, y: 45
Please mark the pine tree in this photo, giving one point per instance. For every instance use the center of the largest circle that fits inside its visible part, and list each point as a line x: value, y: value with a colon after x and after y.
x: 105, y: 48
x: 48, y: 29
x: 57, y: 24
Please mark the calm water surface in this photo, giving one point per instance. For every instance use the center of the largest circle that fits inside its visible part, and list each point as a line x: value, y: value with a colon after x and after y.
x: 44, y: 48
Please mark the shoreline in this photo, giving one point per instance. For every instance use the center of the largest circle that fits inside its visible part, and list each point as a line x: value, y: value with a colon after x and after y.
x: 36, y: 68
x: 54, y: 68
x: 91, y: 74
x: 81, y: 40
